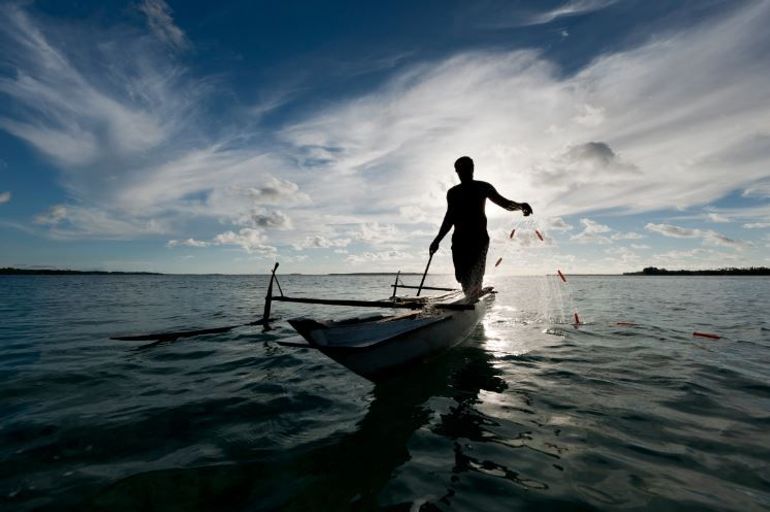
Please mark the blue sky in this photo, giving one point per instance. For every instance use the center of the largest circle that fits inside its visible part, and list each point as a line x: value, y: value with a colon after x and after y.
x: 219, y: 137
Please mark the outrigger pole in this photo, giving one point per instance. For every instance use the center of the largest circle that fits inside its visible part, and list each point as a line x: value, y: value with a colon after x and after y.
x: 269, y: 299
x: 173, y: 336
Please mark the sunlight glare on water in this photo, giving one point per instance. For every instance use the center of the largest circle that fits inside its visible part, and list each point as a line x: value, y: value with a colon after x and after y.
x: 530, y: 414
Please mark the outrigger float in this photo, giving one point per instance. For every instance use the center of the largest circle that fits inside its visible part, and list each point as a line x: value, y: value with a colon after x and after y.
x: 375, y: 346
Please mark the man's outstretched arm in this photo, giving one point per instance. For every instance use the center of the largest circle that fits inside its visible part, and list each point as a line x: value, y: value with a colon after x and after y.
x: 445, y: 227
x: 499, y: 200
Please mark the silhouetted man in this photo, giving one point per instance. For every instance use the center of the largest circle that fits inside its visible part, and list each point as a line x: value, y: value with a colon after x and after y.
x: 465, y: 211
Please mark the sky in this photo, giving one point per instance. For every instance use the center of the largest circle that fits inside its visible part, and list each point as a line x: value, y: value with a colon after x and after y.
x: 219, y: 137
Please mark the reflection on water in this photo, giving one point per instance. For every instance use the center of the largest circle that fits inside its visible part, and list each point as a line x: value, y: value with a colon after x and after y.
x: 346, y: 472
x: 524, y: 417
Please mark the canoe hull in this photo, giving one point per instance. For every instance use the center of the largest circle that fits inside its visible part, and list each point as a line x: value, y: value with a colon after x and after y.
x: 411, y: 342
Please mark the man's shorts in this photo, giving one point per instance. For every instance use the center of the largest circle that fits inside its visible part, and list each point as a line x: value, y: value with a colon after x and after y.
x: 470, y: 261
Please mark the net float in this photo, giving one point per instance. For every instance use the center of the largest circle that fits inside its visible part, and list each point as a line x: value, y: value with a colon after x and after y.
x: 561, y: 275
x: 539, y: 236
x: 707, y: 335
x: 577, y: 319
x: 498, y: 261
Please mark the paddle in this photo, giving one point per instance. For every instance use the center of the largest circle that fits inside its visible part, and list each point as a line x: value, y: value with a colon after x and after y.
x: 422, y: 282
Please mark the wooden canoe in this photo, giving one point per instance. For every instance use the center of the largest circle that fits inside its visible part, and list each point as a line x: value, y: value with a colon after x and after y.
x: 377, y: 346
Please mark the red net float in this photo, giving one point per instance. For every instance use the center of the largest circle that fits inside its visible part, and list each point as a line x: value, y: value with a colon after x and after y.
x: 512, y: 232
x: 707, y: 335
x: 561, y: 276
x: 577, y: 319
x: 499, y: 260
x: 539, y: 236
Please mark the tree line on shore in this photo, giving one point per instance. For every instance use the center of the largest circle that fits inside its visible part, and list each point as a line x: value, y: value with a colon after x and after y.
x: 731, y: 271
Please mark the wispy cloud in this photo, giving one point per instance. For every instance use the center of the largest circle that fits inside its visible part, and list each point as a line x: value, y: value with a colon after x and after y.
x: 249, y: 239
x: 631, y: 235
x: 161, y: 22
x: 510, y: 14
x: 5, y: 197
x: 190, y: 242
x: 757, y: 225
x: 593, y: 232
x: 321, y: 242
x: 717, y: 217
x: 371, y: 257
x: 707, y: 235
x: 124, y: 121
x: 571, y: 8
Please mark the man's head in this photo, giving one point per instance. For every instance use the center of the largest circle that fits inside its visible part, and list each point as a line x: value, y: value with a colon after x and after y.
x: 464, y: 168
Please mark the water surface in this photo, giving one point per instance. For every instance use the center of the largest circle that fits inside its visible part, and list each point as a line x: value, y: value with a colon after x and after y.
x: 530, y: 414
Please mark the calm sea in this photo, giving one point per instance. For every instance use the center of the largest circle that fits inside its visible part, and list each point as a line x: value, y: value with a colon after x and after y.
x: 530, y: 414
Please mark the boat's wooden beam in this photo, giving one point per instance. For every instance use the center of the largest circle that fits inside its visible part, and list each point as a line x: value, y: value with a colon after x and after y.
x: 353, y: 303
x: 374, y: 303
x: 426, y: 288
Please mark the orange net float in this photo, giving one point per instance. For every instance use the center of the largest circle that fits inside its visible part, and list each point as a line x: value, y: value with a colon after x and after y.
x: 499, y: 260
x: 512, y: 232
x: 707, y: 335
x: 561, y: 275
x: 539, y: 236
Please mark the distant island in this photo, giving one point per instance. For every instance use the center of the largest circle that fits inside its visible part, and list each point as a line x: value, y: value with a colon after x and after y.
x: 750, y: 271
x: 8, y: 271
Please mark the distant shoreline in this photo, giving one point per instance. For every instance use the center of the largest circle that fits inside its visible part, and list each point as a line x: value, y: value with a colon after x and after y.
x: 649, y: 271
x: 8, y: 271
x: 750, y: 271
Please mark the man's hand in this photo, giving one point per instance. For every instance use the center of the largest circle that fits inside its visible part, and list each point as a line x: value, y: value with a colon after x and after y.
x: 526, y: 209
x: 433, y: 247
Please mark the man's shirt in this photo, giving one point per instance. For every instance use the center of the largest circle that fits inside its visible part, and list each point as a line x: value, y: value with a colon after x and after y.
x: 466, y: 203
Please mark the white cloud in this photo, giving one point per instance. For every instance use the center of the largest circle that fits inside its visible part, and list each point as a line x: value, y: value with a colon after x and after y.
x: 416, y: 214
x: 369, y: 257
x: 631, y: 235
x: 557, y: 224
x: 250, y: 239
x: 375, y: 233
x: 707, y: 235
x: 190, y: 242
x: 570, y: 8
x: 262, y: 218
x: 592, y: 233
x: 5, y: 197
x: 717, y: 217
x: 76, y: 117
x: 321, y: 242
x: 759, y: 189
x: 74, y: 222
x: 510, y: 15
x: 53, y: 216
x: 162, y: 24
x: 124, y: 121
x: 757, y: 225
x: 275, y: 191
